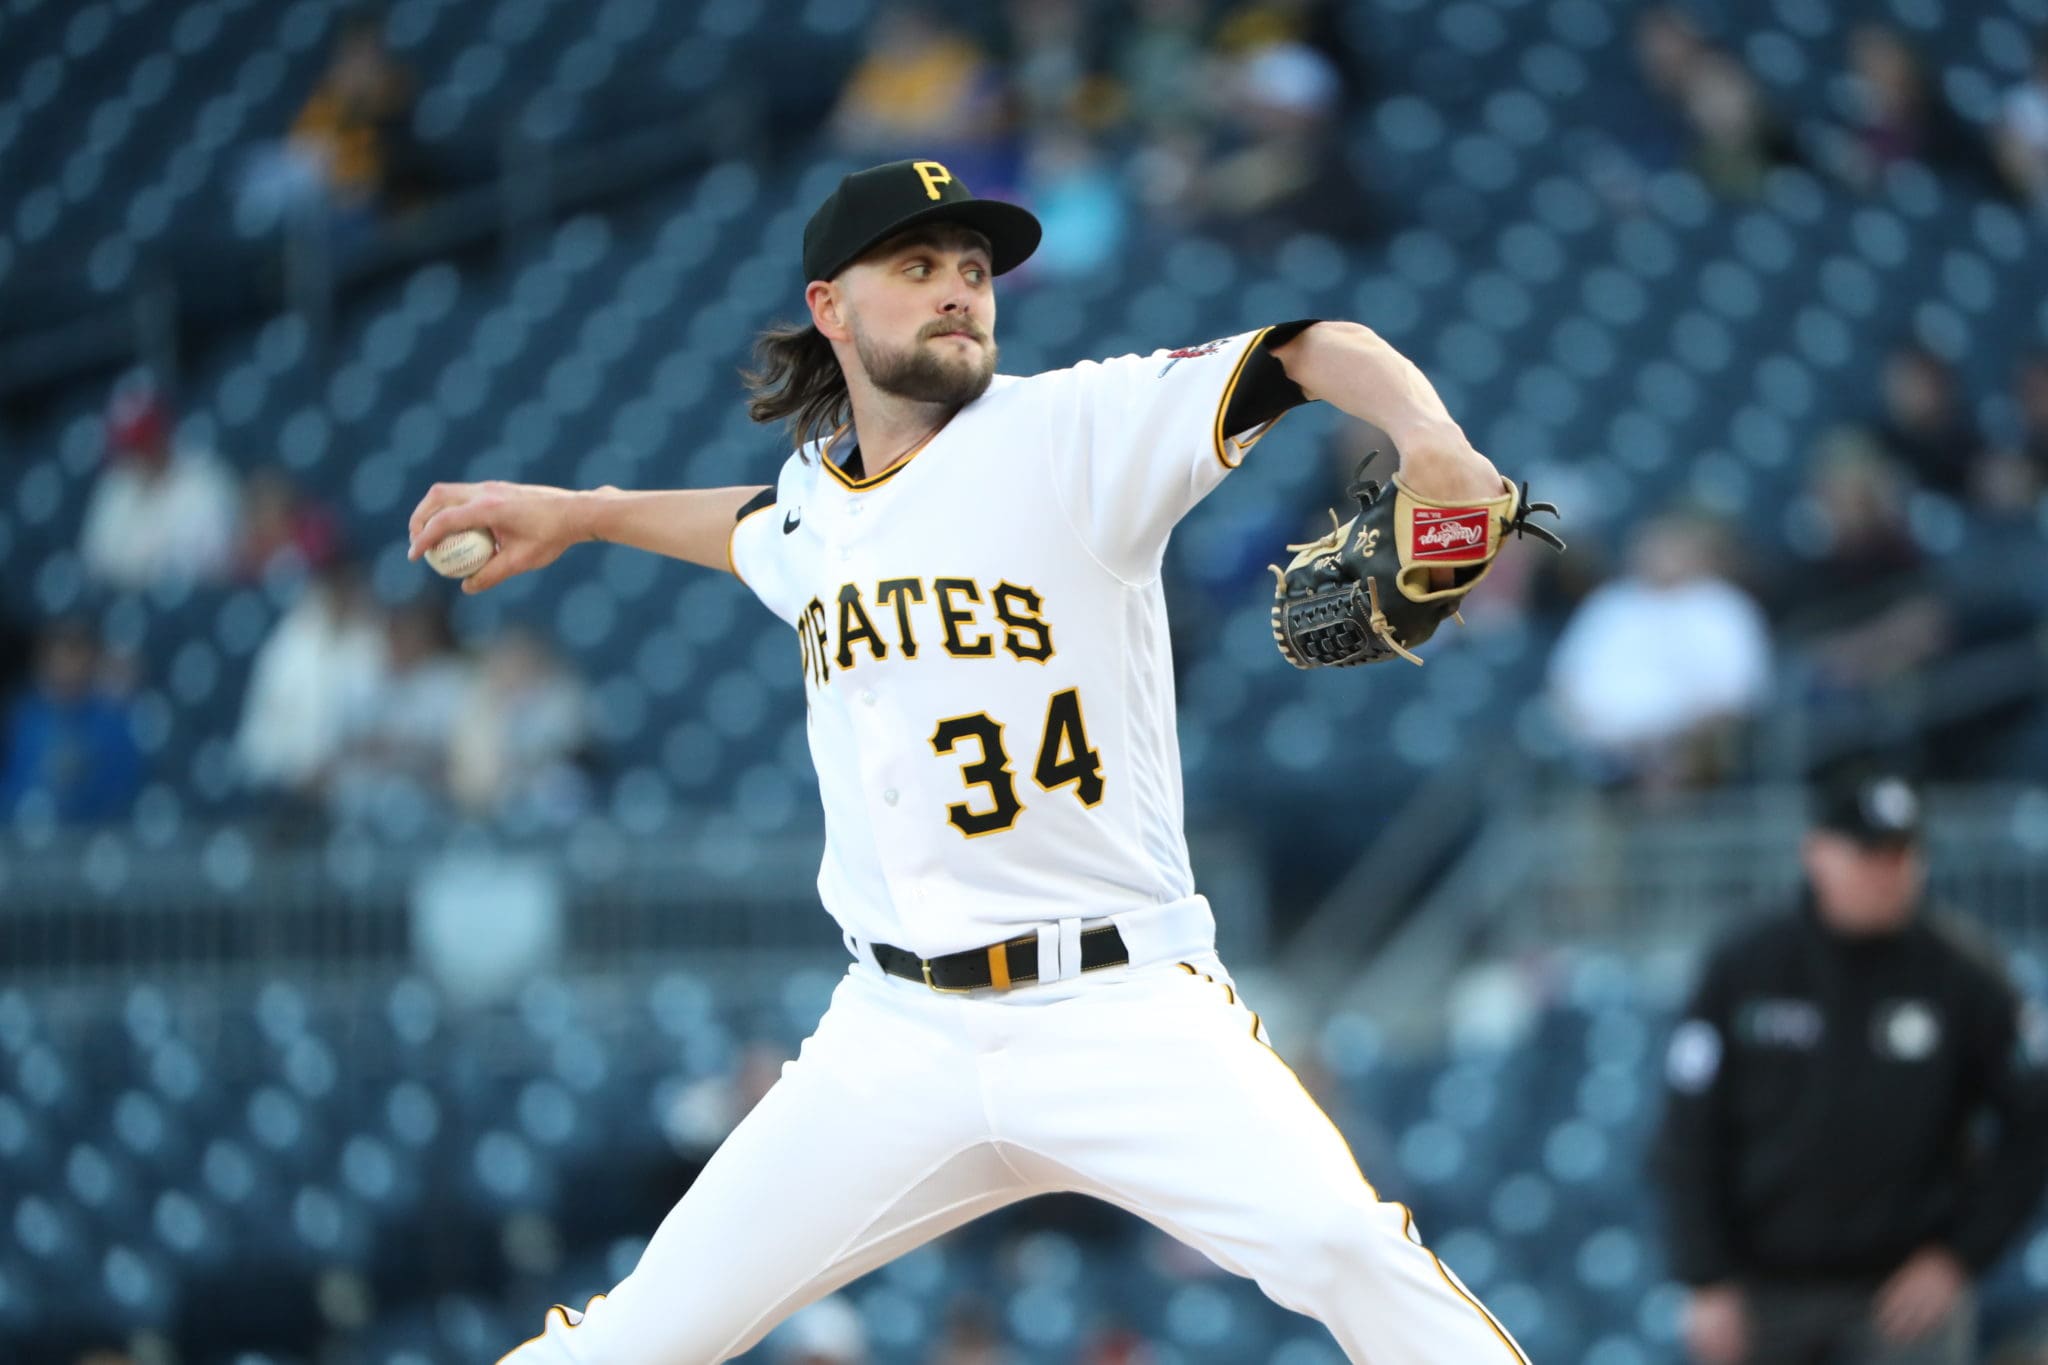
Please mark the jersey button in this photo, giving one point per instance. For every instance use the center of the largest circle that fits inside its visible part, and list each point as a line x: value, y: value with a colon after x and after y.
x: 867, y: 698
x: 854, y: 510
x: 889, y: 796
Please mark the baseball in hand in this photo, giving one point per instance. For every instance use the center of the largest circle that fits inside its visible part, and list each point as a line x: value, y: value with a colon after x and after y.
x: 462, y: 554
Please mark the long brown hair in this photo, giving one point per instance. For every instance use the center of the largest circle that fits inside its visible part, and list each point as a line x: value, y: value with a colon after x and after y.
x: 798, y: 380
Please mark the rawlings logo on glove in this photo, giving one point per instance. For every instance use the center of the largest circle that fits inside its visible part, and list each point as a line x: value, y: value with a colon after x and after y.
x: 1449, y: 533
x: 1359, y: 598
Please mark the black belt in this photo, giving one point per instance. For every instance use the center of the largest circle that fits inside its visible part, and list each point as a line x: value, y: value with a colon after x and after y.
x: 1002, y: 965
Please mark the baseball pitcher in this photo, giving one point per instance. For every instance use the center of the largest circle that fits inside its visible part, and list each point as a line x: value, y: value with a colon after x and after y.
x: 971, y: 565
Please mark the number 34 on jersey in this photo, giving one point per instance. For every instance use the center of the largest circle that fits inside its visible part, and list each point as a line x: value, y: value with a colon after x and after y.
x: 957, y: 617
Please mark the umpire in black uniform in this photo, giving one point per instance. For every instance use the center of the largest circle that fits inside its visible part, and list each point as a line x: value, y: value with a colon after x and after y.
x: 1832, y: 1185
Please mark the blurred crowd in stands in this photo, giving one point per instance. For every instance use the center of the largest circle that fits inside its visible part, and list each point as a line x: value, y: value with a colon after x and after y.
x: 355, y: 710
x: 1185, y: 115
x: 349, y: 158
x: 1700, y: 106
x: 1167, y: 114
x: 1918, y: 533
x: 1172, y: 117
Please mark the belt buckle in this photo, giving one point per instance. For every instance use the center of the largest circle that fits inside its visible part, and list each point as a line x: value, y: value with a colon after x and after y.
x: 926, y: 963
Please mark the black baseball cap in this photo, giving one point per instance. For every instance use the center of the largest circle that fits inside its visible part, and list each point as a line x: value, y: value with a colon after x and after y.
x: 880, y: 202
x: 1878, y: 809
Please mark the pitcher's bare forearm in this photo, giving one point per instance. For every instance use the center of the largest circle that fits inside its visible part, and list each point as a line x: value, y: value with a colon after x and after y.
x: 1355, y: 370
x: 684, y: 523
x: 533, y: 524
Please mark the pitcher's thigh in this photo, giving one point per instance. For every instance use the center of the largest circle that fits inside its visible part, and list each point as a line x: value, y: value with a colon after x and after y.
x: 1205, y: 1131
x: 830, y: 1171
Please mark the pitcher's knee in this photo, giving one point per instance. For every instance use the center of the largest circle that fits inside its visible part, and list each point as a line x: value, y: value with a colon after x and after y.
x: 1331, y: 1246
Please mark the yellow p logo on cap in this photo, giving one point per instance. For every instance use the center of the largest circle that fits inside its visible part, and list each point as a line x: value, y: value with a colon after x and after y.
x: 933, y: 175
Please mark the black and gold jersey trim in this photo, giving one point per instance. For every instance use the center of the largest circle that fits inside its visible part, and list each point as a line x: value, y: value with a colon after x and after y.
x: 861, y: 485
x: 761, y: 502
x: 1259, y: 393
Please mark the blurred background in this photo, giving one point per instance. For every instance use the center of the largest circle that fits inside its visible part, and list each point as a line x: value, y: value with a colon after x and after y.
x: 378, y: 965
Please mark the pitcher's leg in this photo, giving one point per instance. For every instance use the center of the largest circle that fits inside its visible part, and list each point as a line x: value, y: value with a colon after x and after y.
x: 1199, y: 1127
x: 872, y: 1142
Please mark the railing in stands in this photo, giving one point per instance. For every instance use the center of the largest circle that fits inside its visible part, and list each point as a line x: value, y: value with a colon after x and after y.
x: 89, y: 906
x: 1652, y: 885
x: 1611, y: 872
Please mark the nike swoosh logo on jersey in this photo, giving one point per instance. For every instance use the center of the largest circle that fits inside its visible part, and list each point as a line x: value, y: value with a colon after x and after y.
x: 790, y: 522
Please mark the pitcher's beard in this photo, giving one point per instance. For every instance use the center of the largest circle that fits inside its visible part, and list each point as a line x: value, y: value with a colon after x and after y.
x: 923, y: 374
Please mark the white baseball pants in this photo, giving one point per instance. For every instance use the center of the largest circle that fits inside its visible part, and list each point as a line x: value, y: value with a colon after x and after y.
x: 909, y: 1113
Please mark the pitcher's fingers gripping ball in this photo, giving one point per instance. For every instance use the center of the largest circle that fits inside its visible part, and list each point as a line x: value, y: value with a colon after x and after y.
x: 462, y: 554
x: 1371, y: 588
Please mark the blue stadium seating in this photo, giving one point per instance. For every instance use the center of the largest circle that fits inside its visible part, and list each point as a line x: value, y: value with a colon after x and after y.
x: 1685, y: 347
x: 333, y: 1126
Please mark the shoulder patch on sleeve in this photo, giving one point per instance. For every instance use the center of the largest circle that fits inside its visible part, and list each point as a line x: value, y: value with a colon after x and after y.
x: 1174, y: 358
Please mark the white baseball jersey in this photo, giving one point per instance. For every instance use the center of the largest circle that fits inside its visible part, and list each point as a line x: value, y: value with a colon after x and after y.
x: 985, y: 649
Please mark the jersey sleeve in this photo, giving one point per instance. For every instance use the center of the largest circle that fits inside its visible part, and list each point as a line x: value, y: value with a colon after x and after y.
x: 754, y: 553
x: 1139, y: 440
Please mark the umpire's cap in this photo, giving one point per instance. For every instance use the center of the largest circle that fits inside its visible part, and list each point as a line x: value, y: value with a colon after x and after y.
x: 1876, y: 808
x: 882, y: 201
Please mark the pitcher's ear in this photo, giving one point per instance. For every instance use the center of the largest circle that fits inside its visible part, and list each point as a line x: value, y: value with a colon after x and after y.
x: 826, y: 313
